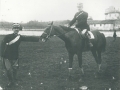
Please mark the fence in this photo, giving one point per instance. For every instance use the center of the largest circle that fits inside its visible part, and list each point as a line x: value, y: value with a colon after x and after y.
x: 38, y: 33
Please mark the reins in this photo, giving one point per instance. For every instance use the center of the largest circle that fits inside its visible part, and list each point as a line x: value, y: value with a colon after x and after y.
x: 48, y: 35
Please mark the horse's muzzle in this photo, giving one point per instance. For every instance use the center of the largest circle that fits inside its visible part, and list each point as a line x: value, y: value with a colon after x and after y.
x: 43, y: 40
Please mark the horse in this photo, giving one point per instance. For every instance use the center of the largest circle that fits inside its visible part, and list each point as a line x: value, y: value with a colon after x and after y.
x: 75, y: 43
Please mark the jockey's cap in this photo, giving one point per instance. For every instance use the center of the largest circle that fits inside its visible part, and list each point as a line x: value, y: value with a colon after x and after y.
x: 17, y: 26
x: 79, y: 4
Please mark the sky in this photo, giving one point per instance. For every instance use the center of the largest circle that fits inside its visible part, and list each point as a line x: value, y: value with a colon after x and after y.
x: 22, y: 11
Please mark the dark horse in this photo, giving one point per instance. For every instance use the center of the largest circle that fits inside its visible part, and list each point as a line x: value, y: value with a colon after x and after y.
x: 75, y: 44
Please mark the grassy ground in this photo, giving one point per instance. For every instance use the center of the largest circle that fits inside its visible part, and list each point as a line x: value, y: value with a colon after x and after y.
x: 42, y: 67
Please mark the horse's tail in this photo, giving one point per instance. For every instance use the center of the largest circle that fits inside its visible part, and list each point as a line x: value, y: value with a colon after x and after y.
x: 104, y: 42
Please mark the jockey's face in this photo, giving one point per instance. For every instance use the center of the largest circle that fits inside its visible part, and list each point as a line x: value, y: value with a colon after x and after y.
x: 80, y: 8
x: 16, y: 30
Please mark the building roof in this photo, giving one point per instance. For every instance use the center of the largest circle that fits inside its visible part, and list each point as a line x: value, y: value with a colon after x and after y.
x: 101, y: 21
x: 112, y: 12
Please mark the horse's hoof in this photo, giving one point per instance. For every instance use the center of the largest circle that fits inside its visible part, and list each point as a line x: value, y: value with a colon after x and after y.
x: 100, y: 71
x: 98, y: 75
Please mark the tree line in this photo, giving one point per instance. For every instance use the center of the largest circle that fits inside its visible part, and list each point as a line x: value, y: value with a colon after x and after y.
x: 31, y: 24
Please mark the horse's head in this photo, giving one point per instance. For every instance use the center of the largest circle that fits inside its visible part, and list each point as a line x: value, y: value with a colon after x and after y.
x: 48, y: 32
x: 52, y: 30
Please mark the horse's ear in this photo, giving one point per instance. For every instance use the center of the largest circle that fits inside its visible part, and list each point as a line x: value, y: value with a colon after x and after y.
x: 52, y: 23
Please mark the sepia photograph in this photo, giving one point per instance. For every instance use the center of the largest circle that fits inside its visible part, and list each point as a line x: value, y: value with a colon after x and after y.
x: 59, y: 44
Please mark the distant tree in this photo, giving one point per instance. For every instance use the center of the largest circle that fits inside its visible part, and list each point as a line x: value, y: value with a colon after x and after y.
x: 33, y: 24
x: 5, y: 25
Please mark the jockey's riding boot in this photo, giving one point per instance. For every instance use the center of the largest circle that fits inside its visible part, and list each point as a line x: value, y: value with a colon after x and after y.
x: 89, y: 43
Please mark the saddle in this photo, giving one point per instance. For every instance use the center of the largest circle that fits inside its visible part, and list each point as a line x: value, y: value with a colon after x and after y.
x: 86, y: 36
x: 85, y: 33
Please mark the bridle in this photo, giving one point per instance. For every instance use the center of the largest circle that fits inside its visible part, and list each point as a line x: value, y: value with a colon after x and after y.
x: 49, y: 34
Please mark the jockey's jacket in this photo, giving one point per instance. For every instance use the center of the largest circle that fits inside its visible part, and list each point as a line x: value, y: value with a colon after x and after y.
x: 10, y: 45
x: 80, y: 18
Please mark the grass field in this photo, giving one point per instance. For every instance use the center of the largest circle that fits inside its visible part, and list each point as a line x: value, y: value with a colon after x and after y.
x: 42, y: 67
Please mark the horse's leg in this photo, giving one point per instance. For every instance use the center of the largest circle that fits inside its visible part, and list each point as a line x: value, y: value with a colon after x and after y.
x: 80, y: 61
x: 99, y: 60
x: 97, y: 56
x: 70, y: 62
x: 94, y: 52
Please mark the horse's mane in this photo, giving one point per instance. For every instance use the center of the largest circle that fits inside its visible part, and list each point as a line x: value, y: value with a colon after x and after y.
x: 67, y: 29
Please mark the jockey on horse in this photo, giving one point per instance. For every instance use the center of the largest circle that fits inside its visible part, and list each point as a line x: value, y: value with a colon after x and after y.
x: 81, y: 22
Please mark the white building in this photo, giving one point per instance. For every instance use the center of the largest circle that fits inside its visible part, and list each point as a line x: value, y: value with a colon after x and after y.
x: 112, y: 20
x: 111, y: 13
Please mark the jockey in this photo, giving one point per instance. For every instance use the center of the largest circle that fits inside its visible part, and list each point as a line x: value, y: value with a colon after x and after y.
x: 10, y: 52
x: 80, y: 19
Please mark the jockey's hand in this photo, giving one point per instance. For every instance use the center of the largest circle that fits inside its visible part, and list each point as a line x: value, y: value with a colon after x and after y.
x: 67, y: 25
x: 7, y: 43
